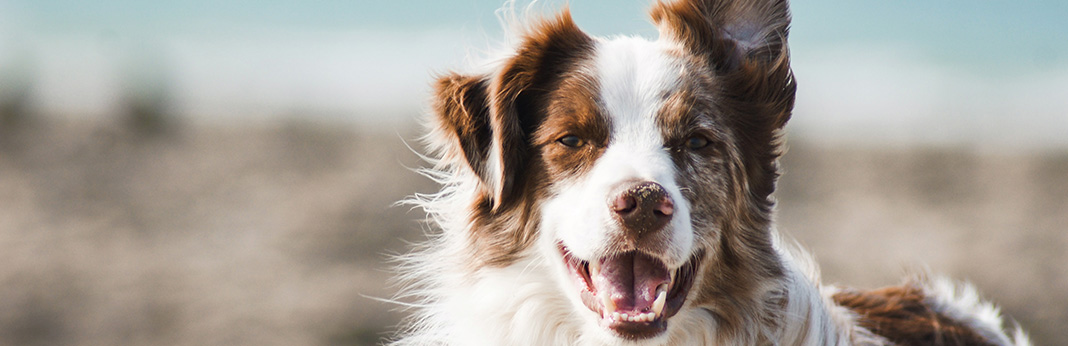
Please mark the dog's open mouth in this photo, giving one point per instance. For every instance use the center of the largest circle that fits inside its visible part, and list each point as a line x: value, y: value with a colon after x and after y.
x: 634, y: 293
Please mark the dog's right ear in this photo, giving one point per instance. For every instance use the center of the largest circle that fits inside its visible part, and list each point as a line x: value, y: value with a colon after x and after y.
x: 461, y: 108
x: 488, y: 120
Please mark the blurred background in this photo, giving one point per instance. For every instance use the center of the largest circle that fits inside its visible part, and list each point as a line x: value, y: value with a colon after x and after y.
x: 224, y: 172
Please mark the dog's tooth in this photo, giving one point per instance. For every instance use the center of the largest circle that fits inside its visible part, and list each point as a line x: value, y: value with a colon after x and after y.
x: 606, y: 301
x: 595, y: 268
x: 615, y: 316
x: 658, y: 304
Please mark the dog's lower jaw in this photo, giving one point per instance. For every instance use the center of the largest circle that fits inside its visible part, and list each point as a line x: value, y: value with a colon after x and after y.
x: 632, y: 294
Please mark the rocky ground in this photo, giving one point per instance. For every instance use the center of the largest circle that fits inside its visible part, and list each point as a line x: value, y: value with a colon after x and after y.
x: 278, y: 234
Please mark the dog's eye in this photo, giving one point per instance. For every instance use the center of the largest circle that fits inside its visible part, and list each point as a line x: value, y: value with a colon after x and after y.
x: 696, y: 142
x: 571, y: 141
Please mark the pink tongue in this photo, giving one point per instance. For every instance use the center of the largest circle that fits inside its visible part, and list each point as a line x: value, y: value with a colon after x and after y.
x: 631, y: 279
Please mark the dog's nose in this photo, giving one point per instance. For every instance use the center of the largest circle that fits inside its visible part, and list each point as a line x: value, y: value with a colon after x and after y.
x: 642, y: 208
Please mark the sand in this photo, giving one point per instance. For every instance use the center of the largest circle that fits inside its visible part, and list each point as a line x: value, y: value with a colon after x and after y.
x: 279, y: 233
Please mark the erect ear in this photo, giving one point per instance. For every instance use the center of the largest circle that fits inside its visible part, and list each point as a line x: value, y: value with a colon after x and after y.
x: 732, y: 32
x: 744, y: 42
x: 491, y: 118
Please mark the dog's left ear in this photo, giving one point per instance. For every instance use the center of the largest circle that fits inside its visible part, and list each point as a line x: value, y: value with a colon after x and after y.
x: 733, y: 33
x: 744, y: 39
x: 745, y: 44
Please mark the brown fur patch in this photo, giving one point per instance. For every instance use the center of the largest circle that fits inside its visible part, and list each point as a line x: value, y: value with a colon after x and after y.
x: 478, y: 112
x: 462, y: 109
x: 573, y: 109
x: 739, y: 93
x: 733, y: 32
x: 900, y: 314
x: 755, y: 86
x: 521, y: 93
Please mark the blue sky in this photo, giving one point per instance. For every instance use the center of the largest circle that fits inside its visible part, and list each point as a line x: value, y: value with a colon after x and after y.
x: 949, y: 71
x: 1003, y: 34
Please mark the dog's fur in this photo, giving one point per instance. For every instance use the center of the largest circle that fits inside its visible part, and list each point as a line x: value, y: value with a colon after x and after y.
x: 586, y: 177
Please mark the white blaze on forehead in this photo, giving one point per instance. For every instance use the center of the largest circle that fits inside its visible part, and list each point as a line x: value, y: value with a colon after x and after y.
x: 634, y: 77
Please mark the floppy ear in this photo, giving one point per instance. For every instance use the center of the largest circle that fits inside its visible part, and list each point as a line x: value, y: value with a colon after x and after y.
x: 491, y: 119
x: 462, y: 113
x: 744, y: 42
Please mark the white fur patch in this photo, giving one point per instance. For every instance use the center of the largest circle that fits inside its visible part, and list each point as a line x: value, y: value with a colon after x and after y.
x: 961, y: 302
x: 635, y: 75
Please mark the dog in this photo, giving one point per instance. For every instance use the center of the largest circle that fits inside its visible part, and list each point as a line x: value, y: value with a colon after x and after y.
x: 618, y: 191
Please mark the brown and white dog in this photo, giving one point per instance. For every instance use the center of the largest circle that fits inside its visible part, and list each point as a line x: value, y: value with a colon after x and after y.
x: 617, y: 191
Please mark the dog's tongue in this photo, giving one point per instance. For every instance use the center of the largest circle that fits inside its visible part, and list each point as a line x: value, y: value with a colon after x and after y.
x: 629, y: 281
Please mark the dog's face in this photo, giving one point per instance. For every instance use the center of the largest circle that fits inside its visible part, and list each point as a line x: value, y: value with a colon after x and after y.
x: 623, y: 209
x: 640, y: 169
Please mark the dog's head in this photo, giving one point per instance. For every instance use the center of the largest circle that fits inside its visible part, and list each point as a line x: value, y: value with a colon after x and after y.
x: 641, y: 169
